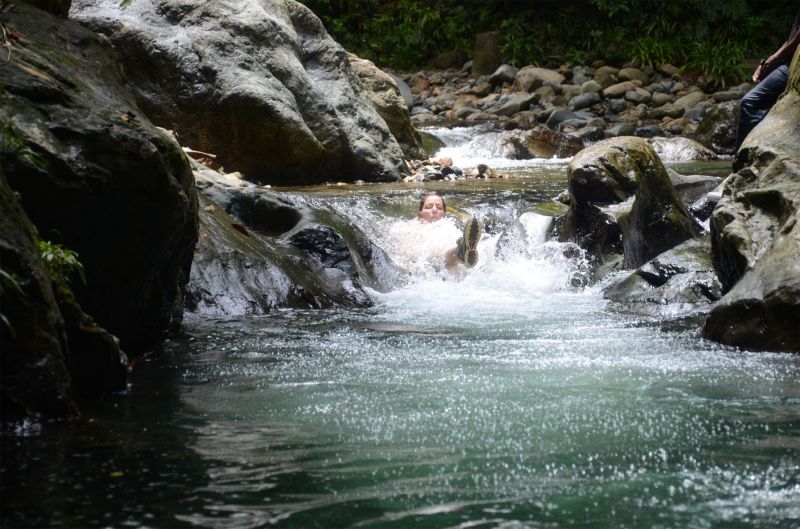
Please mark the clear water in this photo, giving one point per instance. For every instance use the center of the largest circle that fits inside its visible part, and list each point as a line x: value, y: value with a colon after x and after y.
x: 508, y: 398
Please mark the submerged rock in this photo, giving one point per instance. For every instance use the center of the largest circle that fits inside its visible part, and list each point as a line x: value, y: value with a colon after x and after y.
x: 258, y: 82
x: 680, y: 282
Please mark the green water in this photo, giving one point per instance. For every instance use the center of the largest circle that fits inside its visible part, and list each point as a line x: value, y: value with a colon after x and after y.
x: 508, y: 399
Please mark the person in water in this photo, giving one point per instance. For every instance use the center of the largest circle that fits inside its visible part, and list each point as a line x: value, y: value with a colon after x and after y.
x: 432, y: 208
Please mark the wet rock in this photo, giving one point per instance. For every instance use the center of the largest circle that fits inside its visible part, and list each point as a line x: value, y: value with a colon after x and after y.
x: 717, y: 130
x: 678, y: 283
x: 35, y: 379
x: 258, y: 252
x: 105, y: 182
x: 543, y: 142
x: 756, y: 235
x: 268, y: 91
x: 632, y: 74
x: 626, y: 177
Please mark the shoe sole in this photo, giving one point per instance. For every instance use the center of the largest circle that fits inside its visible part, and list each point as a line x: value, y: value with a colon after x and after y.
x: 472, y: 234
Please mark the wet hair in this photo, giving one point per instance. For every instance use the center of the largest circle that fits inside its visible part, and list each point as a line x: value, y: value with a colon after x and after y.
x: 429, y: 195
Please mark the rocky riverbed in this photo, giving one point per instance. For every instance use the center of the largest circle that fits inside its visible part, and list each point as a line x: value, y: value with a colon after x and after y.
x: 572, y: 107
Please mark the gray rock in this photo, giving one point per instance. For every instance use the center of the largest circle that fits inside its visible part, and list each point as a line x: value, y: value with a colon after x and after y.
x: 388, y: 101
x: 35, y: 379
x: 756, y: 235
x: 259, y: 83
x: 678, y: 283
x: 638, y: 96
x: 504, y: 74
x: 514, y: 102
x: 530, y: 78
x: 717, y: 130
x: 622, y: 201
x: 106, y: 182
x: 559, y: 115
x: 621, y: 129
x: 584, y: 100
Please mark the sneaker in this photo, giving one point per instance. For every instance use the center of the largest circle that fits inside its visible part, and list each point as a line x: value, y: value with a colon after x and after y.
x: 467, y: 251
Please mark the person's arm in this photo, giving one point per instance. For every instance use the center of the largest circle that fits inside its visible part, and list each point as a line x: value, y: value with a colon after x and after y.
x: 783, y: 55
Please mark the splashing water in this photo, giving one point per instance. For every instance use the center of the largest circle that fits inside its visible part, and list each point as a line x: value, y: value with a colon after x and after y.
x: 505, y: 397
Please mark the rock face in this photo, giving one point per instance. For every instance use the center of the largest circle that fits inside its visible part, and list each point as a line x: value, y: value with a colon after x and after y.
x: 98, y: 178
x: 756, y: 235
x: 391, y: 105
x: 623, y: 202
x: 35, y: 380
x: 258, y: 252
x: 257, y: 82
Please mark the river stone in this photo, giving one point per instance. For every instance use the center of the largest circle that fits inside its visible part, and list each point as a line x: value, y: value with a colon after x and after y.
x: 678, y: 149
x: 543, y: 142
x: 584, y: 100
x: 756, y: 234
x: 590, y: 85
x: 692, y: 99
x: 614, y: 171
x: 633, y: 74
x: 388, y: 101
x: 510, y: 104
x: 678, y: 283
x: 530, y: 78
x: 105, y: 181
x: 619, y: 89
x: 504, y: 74
x: 35, y: 380
x: 259, y: 83
x: 717, y: 129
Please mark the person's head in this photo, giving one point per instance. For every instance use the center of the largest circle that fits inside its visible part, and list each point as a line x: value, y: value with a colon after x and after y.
x: 431, y: 208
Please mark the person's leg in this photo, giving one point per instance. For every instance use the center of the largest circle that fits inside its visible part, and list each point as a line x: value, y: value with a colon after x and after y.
x: 757, y: 102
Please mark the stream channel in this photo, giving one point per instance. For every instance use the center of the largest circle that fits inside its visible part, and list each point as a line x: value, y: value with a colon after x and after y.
x: 509, y: 398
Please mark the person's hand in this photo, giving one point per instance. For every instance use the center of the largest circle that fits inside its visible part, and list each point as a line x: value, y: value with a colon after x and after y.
x: 757, y: 74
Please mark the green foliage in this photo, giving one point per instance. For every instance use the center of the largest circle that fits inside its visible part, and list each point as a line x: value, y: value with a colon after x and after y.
x: 61, y: 262
x: 519, y: 49
x: 721, y: 61
x: 712, y: 36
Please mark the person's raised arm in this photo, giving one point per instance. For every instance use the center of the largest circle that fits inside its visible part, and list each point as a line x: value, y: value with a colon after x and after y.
x: 782, y: 56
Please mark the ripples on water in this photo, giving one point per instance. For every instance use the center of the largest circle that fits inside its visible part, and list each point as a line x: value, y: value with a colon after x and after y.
x: 508, y: 398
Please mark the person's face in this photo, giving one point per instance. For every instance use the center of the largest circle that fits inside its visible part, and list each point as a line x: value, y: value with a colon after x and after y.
x: 432, y: 210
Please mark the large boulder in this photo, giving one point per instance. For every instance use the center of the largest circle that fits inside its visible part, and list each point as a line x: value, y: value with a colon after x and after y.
x: 388, y: 100
x: 34, y: 379
x: 623, y: 202
x: 258, y: 252
x: 95, y: 175
x: 257, y: 82
x: 756, y: 235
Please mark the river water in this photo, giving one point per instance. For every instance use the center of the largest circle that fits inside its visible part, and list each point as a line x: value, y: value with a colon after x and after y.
x: 510, y: 397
